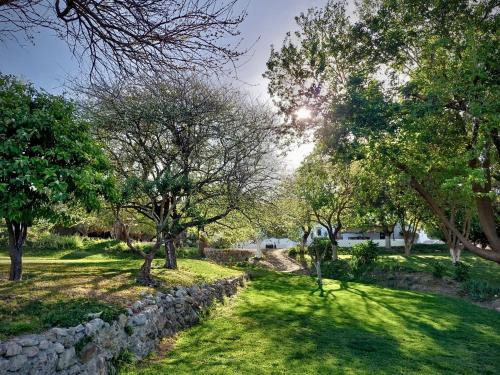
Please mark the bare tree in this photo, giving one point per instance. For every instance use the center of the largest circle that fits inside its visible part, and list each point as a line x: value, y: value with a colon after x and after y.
x: 133, y: 36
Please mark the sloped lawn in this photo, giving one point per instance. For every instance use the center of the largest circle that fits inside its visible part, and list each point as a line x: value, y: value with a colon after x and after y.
x: 60, y: 287
x: 278, y: 326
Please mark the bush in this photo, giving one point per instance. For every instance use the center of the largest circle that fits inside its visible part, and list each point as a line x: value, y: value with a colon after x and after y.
x: 479, y: 290
x: 438, y: 270
x: 461, y: 271
x: 336, y: 269
x: 56, y: 242
x: 364, y: 256
x: 320, y: 245
x: 293, y: 252
x: 188, y: 252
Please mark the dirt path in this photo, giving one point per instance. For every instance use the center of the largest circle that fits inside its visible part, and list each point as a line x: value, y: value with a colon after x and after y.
x: 280, y: 261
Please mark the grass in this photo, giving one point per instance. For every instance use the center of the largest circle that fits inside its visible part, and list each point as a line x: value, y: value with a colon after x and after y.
x: 278, y: 326
x: 61, y: 286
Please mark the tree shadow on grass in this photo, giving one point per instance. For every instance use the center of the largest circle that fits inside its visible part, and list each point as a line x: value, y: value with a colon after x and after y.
x: 279, y: 327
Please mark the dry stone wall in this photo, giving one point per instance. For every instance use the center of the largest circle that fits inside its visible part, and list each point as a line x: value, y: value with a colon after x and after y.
x: 229, y: 256
x: 93, y: 347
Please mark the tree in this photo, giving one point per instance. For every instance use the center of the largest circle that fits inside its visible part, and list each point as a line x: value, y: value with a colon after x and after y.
x: 186, y: 153
x: 126, y: 37
x: 328, y: 188
x: 47, y: 158
x: 294, y: 212
x: 421, y: 96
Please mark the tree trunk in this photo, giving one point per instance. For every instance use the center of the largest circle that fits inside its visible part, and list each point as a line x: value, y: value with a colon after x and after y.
x: 303, y: 243
x: 145, y: 275
x: 17, y: 236
x: 493, y: 254
x: 455, y: 254
x: 170, y: 255
x: 332, y: 234
x: 258, y: 243
x: 387, y: 235
x: 202, y: 243
x: 408, y: 246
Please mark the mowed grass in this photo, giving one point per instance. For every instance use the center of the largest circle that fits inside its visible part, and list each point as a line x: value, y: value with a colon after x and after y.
x: 278, y: 326
x: 60, y: 287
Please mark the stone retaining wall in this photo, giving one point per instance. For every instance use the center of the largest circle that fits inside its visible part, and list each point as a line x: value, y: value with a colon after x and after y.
x: 229, y: 256
x: 92, y: 347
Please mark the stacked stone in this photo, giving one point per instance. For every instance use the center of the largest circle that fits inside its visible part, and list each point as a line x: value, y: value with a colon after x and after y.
x: 139, y: 331
x: 229, y: 256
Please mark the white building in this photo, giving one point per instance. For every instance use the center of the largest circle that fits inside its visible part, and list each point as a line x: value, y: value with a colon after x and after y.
x: 347, y: 238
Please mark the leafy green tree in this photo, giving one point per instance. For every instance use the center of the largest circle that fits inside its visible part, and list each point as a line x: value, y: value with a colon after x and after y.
x: 421, y: 96
x: 294, y: 212
x: 328, y: 189
x: 47, y: 158
x: 186, y: 153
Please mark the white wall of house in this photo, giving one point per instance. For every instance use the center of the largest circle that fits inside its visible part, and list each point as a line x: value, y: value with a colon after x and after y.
x: 348, y: 239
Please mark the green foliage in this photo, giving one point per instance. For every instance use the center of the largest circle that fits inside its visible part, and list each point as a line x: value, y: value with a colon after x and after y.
x: 124, y: 359
x: 56, y: 242
x: 320, y: 246
x: 461, y: 271
x: 479, y: 290
x: 47, y: 155
x: 81, y: 344
x: 438, y: 270
x: 188, y: 252
x: 339, y: 269
x: 293, y: 252
x: 58, y: 313
x: 363, y: 257
x: 129, y: 330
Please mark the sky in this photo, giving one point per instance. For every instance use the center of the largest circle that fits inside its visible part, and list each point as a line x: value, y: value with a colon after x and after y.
x: 47, y: 62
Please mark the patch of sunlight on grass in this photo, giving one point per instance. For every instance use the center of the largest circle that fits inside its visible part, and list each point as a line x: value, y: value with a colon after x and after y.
x: 100, y: 279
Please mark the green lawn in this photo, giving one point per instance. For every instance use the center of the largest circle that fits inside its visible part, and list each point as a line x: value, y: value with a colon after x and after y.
x: 277, y: 326
x: 61, y: 286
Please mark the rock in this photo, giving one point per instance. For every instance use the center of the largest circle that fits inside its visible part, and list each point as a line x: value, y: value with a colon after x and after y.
x: 58, y: 347
x: 15, y: 363
x: 59, y: 331
x: 66, y: 359
x: 12, y: 349
x: 28, y: 341
x: 44, y: 344
x: 3, y: 349
x: 122, y: 320
x: 4, y: 365
x: 139, y: 320
x: 30, y: 351
x: 93, y: 326
x: 137, y: 305
x: 79, y: 328
x: 87, y: 352
x: 94, y: 315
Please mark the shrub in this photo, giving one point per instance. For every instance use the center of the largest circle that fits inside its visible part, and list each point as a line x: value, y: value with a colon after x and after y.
x: 320, y: 245
x: 438, y: 270
x: 479, y: 290
x: 364, y: 256
x: 56, y: 242
x: 461, y: 271
x: 336, y: 269
x: 293, y: 252
x: 188, y: 252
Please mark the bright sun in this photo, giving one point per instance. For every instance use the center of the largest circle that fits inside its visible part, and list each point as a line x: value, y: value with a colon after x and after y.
x: 303, y: 113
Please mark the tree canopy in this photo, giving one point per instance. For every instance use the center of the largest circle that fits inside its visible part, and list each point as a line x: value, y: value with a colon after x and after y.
x: 47, y: 157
